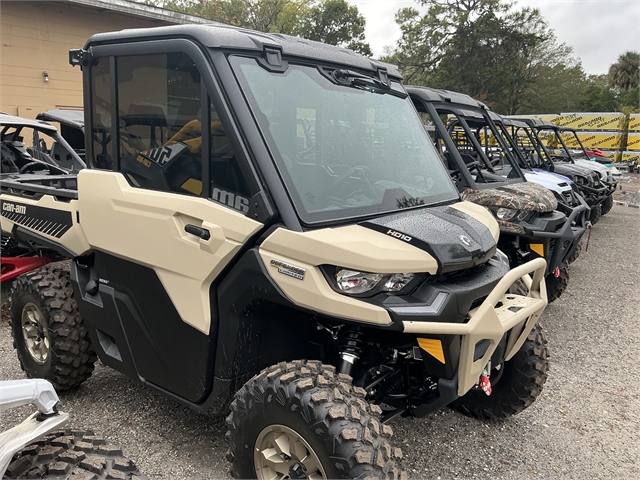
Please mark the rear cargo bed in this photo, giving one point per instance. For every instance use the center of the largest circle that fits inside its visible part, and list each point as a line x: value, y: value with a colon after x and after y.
x: 42, y: 209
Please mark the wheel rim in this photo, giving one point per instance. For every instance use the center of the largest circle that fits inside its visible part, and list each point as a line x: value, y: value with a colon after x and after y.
x: 281, y: 453
x: 35, y: 333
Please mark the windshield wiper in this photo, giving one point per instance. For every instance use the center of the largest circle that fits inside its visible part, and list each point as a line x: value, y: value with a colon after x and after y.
x: 358, y: 80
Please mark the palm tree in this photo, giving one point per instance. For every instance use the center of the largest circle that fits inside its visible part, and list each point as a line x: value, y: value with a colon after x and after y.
x: 625, y: 73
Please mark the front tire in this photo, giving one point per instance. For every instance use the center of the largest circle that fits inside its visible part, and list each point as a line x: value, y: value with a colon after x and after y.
x: 607, y: 205
x: 556, y: 285
x: 596, y: 213
x: 576, y: 253
x: 49, y: 335
x: 302, y: 420
x: 516, y: 387
x: 72, y: 454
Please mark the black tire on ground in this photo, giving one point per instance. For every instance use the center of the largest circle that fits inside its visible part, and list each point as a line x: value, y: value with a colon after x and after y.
x: 71, y: 357
x: 576, y: 253
x: 607, y: 205
x: 516, y: 387
x: 596, y: 213
x: 324, y: 409
x: 72, y: 454
x: 556, y: 285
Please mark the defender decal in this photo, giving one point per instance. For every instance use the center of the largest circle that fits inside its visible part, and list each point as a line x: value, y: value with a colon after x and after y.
x: 54, y: 223
x: 288, y: 269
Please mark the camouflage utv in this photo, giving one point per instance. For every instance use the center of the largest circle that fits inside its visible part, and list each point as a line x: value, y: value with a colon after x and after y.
x: 532, y: 222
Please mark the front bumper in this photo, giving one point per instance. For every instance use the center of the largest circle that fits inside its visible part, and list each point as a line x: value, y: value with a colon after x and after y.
x: 500, y: 313
x: 553, y: 237
x: 611, y: 187
x: 594, y: 195
x: 559, y: 245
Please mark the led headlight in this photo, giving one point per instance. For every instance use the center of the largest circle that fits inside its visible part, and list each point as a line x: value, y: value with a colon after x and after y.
x: 354, y: 282
x: 351, y: 281
x: 397, y: 282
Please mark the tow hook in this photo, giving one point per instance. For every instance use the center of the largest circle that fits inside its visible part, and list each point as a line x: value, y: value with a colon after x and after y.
x: 485, y: 382
x: 556, y: 272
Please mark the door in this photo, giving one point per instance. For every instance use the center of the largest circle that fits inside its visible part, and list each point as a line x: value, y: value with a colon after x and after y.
x: 165, y: 207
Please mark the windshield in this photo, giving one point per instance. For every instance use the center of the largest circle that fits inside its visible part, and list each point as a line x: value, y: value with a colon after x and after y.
x: 343, y: 151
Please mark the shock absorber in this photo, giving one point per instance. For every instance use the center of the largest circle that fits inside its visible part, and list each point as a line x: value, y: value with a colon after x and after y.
x: 350, y: 349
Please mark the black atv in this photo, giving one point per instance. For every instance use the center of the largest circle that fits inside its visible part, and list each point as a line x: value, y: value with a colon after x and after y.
x: 587, y: 180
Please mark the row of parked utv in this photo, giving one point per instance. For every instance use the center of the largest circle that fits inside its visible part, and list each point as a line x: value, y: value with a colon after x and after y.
x: 278, y: 228
x: 544, y: 199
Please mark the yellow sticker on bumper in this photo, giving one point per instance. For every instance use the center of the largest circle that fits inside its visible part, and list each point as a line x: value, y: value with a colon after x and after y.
x: 433, y: 347
x: 538, y: 248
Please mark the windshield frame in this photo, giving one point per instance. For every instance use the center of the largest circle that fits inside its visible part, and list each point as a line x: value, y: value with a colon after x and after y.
x: 337, y: 215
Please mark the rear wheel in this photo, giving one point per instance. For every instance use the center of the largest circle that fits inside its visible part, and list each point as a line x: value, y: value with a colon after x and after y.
x: 607, y: 205
x: 302, y: 420
x: 515, y: 384
x: 49, y: 335
x: 72, y: 454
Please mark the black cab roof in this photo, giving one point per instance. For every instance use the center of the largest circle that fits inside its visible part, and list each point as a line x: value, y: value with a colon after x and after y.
x: 235, y: 38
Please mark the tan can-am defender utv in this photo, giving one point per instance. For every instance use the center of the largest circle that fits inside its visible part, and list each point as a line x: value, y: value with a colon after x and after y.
x: 265, y: 224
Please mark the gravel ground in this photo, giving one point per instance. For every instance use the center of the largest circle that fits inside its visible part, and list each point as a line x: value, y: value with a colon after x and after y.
x: 585, y: 424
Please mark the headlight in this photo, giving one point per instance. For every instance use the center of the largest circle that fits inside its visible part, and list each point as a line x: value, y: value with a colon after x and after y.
x: 397, y: 282
x: 580, y: 180
x: 510, y: 214
x: 354, y: 282
x: 350, y: 281
x: 506, y: 213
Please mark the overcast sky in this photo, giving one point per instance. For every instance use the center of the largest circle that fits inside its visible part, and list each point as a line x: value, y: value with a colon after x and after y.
x: 598, y: 30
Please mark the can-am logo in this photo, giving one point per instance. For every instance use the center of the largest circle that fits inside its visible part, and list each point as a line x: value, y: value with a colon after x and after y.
x: 466, y: 241
x: 399, y: 235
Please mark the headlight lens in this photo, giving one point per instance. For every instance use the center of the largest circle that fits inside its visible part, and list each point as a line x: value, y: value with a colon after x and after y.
x: 397, y: 282
x: 354, y: 282
x: 506, y: 213
x: 512, y: 215
x: 351, y: 281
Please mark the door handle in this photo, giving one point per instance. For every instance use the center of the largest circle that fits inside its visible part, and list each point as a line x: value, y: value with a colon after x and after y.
x: 203, y: 233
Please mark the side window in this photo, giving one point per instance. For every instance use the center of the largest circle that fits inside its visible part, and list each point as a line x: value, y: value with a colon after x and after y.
x: 228, y: 185
x: 101, y: 114
x: 160, y: 128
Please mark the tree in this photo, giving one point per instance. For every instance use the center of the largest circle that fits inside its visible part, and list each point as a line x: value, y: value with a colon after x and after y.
x: 337, y: 23
x: 597, y: 96
x: 329, y: 21
x: 624, y: 75
x: 484, y: 48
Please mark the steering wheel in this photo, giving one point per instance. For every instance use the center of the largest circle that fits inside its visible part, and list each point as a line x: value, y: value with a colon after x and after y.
x: 343, y: 177
x: 31, y: 166
x: 476, y: 165
x: 470, y: 167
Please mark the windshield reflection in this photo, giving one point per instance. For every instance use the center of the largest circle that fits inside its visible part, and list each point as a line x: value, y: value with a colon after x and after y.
x: 343, y: 151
